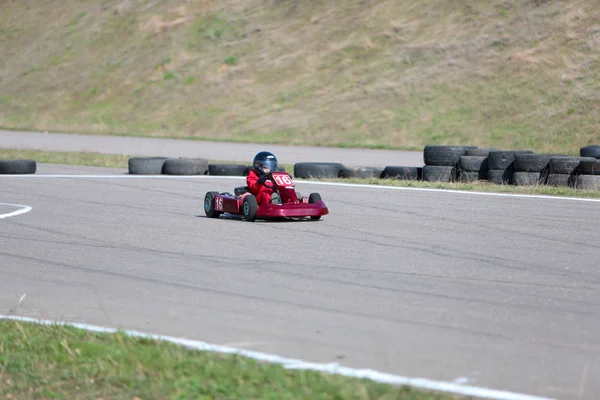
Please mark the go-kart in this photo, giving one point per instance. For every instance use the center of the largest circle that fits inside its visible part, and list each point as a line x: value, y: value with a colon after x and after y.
x: 243, y: 202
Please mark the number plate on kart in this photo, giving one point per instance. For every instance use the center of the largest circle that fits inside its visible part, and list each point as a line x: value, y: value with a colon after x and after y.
x: 282, y: 179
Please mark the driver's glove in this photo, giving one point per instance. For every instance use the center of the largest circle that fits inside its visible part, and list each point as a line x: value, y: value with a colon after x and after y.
x: 262, y: 179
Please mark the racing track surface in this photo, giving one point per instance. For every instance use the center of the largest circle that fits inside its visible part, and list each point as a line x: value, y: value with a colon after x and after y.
x: 502, y: 291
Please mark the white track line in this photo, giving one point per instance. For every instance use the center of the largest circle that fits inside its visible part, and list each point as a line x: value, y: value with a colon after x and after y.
x: 357, y: 185
x: 289, y: 363
x: 24, y: 209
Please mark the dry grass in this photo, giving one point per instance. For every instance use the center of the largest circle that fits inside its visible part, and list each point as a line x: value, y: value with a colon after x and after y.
x: 378, y: 73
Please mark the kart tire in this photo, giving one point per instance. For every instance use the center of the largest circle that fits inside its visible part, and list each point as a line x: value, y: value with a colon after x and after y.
x: 146, y: 165
x: 249, y: 208
x: 227, y: 169
x: 18, y: 167
x: 312, y: 199
x: 209, y: 205
x: 185, y: 166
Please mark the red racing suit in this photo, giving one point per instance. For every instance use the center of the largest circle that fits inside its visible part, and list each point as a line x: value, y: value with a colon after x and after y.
x: 262, y: 193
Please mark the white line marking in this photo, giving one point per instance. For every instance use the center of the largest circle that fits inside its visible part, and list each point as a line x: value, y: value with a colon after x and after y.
x: 357, y: 185
x: 24, y: 209
x: 289, y: 363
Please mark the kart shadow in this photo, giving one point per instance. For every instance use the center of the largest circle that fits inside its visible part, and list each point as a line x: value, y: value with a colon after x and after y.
x: 235, y: 217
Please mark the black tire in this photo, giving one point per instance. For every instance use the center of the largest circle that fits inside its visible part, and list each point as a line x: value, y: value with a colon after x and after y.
x: 312, y: 199
x: 444, y: 156
x: 588, y: 182
x: 521, y: 178
x: 308, y: 170
x: 559, y: 180
x: 566, y: 165
x: 473, y: 163
x: 533, y: 162
x: 361, y: 172
x: 402, y: 173
x: 502, y: 160
x: 185, y: 166
x: 146, y: 165
x: 209, y: 205
x: 472, y: 176
x: 590, y: 151
x: 249, y: 207
x: 438, y: 173
x: 480, y: 152
x: 589, y: 168
x: 227, y: 169
x: 500, y: 176
x: 18, y: 167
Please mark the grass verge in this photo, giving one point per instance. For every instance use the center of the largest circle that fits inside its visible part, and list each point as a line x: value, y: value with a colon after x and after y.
x: 56, y: 362
x: 120, y: 161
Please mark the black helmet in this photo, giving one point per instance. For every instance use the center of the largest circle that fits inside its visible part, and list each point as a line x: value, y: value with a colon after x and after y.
x: 262, y: 160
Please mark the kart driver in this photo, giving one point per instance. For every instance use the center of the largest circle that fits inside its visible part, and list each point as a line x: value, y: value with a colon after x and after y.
x: 263, y: 163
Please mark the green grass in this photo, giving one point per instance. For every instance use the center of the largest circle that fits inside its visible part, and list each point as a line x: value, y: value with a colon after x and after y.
x: 59, y: 362
x: 380, y: 74
x: 120, y: 161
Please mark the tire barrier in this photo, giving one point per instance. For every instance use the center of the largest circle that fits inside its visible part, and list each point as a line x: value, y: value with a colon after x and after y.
x: 441, y: 164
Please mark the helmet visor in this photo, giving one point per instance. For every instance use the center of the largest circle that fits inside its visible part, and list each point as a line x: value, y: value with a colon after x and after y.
x: 268, y: 165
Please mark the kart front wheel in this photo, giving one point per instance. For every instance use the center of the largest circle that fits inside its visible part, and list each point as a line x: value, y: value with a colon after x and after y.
x: 249, y: 207
x: 209, y: 205
x: 312, y: 199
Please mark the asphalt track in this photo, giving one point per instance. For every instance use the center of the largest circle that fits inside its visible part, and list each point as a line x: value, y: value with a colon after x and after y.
x: 239, y: 152
x: 496, y: 291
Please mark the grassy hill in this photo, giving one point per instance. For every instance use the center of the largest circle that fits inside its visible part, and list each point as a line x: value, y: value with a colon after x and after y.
x: 372, y: 73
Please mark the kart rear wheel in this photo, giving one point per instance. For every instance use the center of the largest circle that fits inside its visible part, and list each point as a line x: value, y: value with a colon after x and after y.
x: 249, y: 207
x: 312, y: 199
x: 209, y: 205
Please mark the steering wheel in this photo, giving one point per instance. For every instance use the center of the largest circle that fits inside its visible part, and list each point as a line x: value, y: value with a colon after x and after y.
x: 268, y: 176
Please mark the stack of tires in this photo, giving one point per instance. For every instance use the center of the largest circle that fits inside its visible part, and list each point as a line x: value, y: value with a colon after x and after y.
x: 501, y: 166
x: 562, y: 171
x: 441, y: 162
x: 474, y: 165
x: 587, y: 174
x: 532, y: 169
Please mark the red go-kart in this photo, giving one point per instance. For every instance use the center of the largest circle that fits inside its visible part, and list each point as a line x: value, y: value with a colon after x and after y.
x: 243, y: 202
